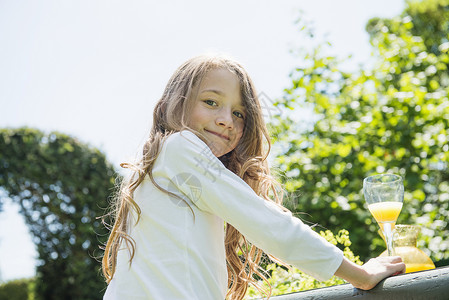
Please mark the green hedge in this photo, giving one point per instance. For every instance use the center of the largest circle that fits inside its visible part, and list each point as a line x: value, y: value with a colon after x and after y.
x: 19, y: 289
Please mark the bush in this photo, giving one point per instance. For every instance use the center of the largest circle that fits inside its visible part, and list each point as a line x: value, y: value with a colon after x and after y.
x: 19, y: 289
x: 285, y: 281
x: 61, y: 185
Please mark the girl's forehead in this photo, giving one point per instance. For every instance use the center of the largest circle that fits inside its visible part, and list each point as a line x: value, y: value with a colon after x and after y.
x: 219, y: 74
x: 220, y: 81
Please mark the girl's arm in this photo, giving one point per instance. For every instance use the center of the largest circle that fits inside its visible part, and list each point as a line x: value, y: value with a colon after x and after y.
x: 367, y: 276
x: 221, y: 193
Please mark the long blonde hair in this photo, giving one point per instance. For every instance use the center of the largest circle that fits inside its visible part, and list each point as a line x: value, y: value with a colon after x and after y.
x: 248, y: 160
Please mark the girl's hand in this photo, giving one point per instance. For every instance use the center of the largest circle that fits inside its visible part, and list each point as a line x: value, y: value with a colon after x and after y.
x: 380, y: 268
x: 367, y: 276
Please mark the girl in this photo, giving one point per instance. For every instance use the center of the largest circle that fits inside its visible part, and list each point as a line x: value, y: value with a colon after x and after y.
x: 201, y: 205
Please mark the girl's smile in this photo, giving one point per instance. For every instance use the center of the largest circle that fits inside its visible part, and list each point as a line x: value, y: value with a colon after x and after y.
x: 218, y: 112
x: 219, y: 135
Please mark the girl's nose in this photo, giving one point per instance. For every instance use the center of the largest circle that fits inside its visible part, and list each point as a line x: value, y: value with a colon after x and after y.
x: 224, y: 118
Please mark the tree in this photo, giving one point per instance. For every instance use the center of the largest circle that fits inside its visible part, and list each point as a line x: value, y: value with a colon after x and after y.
x: 415, y: 70
x: 392, y: 118
x: 62, y: 186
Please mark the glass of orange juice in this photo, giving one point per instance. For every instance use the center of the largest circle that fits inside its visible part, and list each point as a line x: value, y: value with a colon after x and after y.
x: 384, y: 194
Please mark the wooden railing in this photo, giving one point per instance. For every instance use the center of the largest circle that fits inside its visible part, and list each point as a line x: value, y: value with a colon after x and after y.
x: 428, y: 285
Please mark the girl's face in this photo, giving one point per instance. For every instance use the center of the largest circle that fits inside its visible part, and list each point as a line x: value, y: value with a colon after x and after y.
x: 218, y: 112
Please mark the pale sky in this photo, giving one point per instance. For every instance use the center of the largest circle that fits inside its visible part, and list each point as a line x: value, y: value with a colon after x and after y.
x: 94, y: 69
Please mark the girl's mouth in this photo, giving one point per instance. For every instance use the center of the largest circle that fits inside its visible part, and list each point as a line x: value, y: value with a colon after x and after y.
x: 218, y: 134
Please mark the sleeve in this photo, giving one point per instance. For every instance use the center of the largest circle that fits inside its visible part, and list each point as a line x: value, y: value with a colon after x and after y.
x: 220, y: 192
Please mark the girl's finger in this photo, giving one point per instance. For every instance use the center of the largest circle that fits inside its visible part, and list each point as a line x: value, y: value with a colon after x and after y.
x: 390, y: 259
x: 396, y: 259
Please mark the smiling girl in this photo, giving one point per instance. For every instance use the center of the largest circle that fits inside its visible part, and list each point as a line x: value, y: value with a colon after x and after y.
x: 201, y: 206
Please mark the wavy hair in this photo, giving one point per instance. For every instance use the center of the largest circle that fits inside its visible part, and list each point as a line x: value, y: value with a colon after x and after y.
x: 248, y: 160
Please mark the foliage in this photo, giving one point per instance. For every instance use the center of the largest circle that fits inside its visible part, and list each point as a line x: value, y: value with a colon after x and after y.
x: 19, y: 289
x: 62, y: 186
x: 417, y: 75
x: 391, y: 118
x: 285, y: 281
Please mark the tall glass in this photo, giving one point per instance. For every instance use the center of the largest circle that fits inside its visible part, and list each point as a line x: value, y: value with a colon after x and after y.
x: 384, y: 194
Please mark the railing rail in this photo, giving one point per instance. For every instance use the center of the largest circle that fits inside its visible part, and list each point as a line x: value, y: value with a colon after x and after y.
x: 428, y: 285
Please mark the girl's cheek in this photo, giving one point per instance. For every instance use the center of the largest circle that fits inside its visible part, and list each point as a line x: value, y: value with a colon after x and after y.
x: 240, y: 127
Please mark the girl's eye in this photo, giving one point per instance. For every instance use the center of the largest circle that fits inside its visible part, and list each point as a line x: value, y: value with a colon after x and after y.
x: 238, y: 114
x: 210, y: 102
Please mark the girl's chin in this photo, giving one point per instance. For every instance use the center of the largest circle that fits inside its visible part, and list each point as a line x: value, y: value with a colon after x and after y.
x: 218, y: 150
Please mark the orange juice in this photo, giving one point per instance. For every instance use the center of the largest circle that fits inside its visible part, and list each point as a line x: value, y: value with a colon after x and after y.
x: 415, y: 259
x: 385, y: 212
x: 410, y: 267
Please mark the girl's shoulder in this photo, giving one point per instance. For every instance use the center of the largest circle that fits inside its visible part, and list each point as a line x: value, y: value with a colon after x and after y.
x: 184, y: 140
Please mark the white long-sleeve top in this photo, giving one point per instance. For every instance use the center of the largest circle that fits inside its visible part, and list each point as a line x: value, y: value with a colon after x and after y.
x: 180, y: 255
